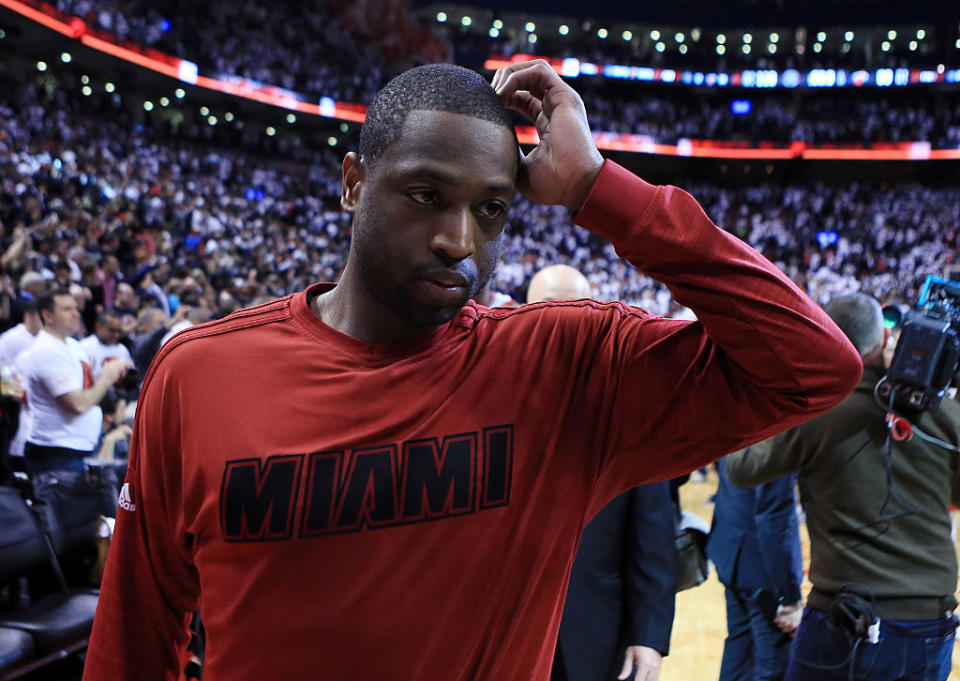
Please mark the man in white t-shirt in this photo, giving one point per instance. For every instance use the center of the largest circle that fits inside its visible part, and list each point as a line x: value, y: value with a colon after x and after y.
x: 62, y: 395
x: 15, y: 340
x: 105, y: 345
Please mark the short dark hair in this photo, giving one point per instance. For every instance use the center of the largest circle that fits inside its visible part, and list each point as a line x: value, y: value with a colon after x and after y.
x: 108, y: 313
x: 47, y: 300
x: 434, y: 87
x: 860, y: 317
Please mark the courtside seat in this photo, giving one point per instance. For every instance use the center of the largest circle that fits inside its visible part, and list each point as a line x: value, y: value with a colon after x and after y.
x: 16, y: 650
x: 52, y: 626
x: 59, y: 622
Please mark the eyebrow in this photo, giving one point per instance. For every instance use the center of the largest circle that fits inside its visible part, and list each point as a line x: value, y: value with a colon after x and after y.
x: 440, y: 176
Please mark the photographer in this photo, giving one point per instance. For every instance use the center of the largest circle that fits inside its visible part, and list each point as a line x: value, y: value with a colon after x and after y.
x: 879, y: 525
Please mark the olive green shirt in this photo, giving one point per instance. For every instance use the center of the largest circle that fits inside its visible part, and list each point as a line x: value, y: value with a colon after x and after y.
x: 903, y: 550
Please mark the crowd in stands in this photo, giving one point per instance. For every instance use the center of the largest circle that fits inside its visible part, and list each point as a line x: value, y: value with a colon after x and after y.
x: 308, y: 49
x: 86, y: 198
x: 819, y: 119
x: 304, y: 49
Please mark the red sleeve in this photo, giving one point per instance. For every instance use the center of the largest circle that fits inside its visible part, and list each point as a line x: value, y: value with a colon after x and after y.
x: 761, y: 357
x: 150, y: 585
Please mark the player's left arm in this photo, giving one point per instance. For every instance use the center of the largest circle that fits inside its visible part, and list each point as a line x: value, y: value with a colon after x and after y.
x: 762, y: 356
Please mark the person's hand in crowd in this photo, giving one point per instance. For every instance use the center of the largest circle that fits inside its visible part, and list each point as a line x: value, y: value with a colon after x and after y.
x: 114, y: 370
x: 183, y: 311
x: 563, y: 167
x: 788, y: 617
x: 647, y: 661
x: 121, y: 433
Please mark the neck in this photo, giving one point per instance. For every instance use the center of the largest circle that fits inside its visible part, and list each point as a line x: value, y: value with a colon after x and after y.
x: 53, y: 332
x: 350, y: 309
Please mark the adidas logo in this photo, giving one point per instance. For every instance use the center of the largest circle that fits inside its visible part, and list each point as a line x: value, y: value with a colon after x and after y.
x: 125, y: 502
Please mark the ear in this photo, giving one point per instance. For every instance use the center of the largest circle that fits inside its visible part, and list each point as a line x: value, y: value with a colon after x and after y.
x: 354, y: 176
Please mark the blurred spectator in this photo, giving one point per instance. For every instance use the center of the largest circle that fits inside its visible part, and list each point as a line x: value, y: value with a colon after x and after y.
x: 65, y: 418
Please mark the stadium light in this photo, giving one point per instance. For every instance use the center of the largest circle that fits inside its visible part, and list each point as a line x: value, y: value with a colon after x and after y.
x: 179, y: 93
x: 532, y: 38
x: 721, y: 49
x: 821, y: 36
x: 271, y: 131
x: 344, y: 127
x: 848, y: 36
x: 441, y: 17
x: 602, y: 33
x: 85, y: 80
x: 817, y: 47
x: 660, y: 47
x: 772, y: 48
x: 774, y: 37
x: 695, y: 35
x: 109, y: 87
x: 148, y: 106
x: 530, y: 27
x: 466, y: 21
x: 845, y: 48
x: 42, y: 65
x: 721, y: 39
x: 627, y: 35
x: 86, y: 90
x: 66, y: 57
x: 654, y: 35
x: 891, y: 35
x: 913, y: 46
x: 801, y: 49
x: 291, y: 118
x: 332, y: 141
x: 493, y: 33
x: 563, y: 30
x: 164, y: 101
x: 497, y: 24
x: 204, y: 111
x: 228, y: 116
x: 885, y: 46
x: 957, y: 43
x: 683, y: 49
x: 921, y: 34
x: 212, y: 120
x: 747, y: 38
x: 679, y: 37
x: 746, y: 49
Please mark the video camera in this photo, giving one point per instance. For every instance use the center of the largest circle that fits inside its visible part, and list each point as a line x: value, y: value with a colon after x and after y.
x: 927, y: 353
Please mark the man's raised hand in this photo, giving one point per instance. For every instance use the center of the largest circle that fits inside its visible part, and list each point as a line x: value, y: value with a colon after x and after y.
x: 563, y: 167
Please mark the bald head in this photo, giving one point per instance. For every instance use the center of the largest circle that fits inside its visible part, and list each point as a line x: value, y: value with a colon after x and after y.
x: 558, y: 282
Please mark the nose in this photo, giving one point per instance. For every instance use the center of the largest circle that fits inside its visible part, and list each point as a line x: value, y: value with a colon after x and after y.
x: 454, y: 239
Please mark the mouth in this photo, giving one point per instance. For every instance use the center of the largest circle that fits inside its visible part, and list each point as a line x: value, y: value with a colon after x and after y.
x: 444, y: 288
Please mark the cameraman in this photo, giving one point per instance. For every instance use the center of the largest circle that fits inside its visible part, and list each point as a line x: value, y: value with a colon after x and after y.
x: 880, y: 523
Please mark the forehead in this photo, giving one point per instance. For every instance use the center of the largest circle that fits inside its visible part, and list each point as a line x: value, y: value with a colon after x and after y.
x: 64, y: 300
x: 468, y: 149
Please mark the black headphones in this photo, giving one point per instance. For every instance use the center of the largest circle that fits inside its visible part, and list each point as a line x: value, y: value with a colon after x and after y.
x: 854, y: 610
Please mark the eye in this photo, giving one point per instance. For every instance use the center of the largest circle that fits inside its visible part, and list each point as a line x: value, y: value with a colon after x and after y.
x: 491, y: 210
x: 424, y: 197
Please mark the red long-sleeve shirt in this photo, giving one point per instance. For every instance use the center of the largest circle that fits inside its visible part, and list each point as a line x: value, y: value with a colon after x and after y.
x: 410, y: 511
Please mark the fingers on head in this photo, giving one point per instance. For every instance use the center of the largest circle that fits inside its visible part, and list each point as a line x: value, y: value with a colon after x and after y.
x: 536, y: 77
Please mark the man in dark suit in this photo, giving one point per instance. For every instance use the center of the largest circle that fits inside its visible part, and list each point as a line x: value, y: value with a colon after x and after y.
x: 620, y: 602
x: 755, y: 545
